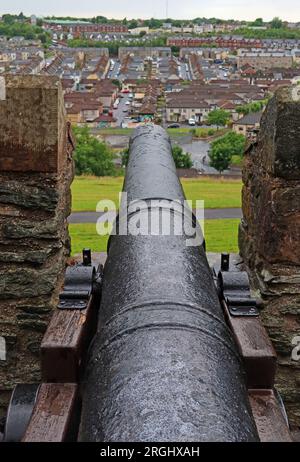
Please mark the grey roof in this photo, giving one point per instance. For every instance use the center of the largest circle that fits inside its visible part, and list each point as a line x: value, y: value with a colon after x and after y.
x: 250, y: 119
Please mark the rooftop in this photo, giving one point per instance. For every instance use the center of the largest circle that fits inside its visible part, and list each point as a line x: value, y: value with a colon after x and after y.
x: 250, y: 119
x: 66, y: 22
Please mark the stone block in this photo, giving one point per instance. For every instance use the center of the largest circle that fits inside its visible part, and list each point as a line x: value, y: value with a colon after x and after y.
x: 32, y: 124
x: 279, y: 138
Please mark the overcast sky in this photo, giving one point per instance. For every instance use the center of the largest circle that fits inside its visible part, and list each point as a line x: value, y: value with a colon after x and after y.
x: 182, y: 9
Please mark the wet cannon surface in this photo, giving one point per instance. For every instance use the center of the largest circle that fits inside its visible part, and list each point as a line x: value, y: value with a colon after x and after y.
x: 163, y: 365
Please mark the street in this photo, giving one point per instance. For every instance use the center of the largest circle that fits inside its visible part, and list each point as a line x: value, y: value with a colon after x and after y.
x: 119, y: 113
x: 114, y: 73
x: 93, y: 217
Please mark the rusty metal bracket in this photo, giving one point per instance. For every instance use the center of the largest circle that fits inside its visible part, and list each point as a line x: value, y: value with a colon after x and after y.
x: 81, y: 282
x: 234, y: 291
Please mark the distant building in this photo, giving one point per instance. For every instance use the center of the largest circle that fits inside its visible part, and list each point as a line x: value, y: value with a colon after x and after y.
x: 182, y: 108
x: 198, y: 99
x: 232, y: 43
x: 145, y: 52
x: 296, y: 56
x: 203, y: 28
x: 293, y: 25
x: 247, y: 124
x: 138, y: 30
x: 263, y: 60
x: 79, y: 28
x: 33, y: 20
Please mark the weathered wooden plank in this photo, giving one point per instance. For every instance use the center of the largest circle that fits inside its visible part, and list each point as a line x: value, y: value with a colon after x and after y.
x: 55, y: 416
x: 65, y: 343
x: 270, y: 422
x: 256, y: 349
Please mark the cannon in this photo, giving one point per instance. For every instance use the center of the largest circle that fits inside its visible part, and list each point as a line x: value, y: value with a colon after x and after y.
x: 155, y: 345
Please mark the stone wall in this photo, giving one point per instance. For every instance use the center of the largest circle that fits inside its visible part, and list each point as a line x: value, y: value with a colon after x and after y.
x: 36, y: 170
x: 269, y: 235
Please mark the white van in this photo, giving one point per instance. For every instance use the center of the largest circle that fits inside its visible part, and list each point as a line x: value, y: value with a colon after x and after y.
x: 192, y: 122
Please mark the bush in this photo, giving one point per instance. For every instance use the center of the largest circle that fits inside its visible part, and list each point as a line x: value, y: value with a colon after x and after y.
x: 222, y: 150
x: 91, y: 156
x: 181, y: 159
x: 218, y: 117
x: 125, y: 157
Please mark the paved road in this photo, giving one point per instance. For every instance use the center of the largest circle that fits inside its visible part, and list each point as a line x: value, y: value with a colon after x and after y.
x: 210, y: 214
x: 114, y: 73
x: 119, y: 113
x: 184, y: 72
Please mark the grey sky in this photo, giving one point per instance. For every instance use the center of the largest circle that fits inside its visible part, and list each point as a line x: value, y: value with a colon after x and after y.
x: 238, y: 9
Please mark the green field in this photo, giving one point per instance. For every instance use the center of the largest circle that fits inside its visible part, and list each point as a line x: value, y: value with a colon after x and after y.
x: 220, y: 235
x: 115, y: 131
x: 129, y: 131
x: 217, y: 193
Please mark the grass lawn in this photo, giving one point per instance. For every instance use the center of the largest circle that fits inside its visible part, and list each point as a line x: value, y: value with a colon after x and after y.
x: 129, y: 131
x: 221, y: 235
x: 217, y: 193
x: 115, y: 131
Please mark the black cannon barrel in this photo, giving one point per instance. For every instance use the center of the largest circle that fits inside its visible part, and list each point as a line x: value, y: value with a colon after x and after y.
x: 163, y: 365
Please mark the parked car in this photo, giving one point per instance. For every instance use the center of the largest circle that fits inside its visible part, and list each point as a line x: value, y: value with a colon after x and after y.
x: 192, y: 122
x: 174, y: 126
x: 127, y: 103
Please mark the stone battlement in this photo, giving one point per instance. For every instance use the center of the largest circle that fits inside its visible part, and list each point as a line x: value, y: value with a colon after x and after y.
x: 269, y: 235
x: 36, y: 171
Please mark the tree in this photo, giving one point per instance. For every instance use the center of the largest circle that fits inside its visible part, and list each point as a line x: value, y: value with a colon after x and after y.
x: 8, y: 19
x: 117, y: 83
x: 125, y: 157
x: 133, y: 24
x: 224, y: 148
x: 220, y: 157
x: 42, y: 38
x: 91, y: 156
x: 100, y: 20
x: 256, y: 106
x: 276, y: 23
x: 181, y: 159
x: 259, y: 22
x: 218, y: 117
